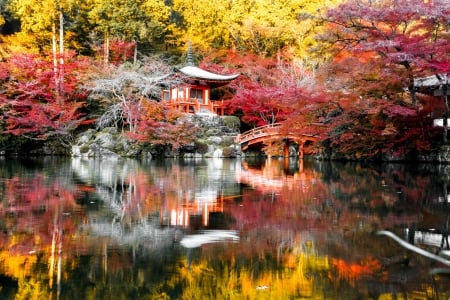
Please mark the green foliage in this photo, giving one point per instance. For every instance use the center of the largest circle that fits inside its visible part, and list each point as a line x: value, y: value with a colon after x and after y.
x: 84, y: 148
x: 213, y: 132
x: 200, y: 146
x: 231, y: 122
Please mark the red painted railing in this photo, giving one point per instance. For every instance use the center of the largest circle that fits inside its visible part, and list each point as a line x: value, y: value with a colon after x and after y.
x: 262, y: 131
x: 272, y: 130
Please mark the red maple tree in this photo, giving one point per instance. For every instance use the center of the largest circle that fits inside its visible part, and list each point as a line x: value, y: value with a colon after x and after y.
x: 30, y: 103
x: 266, y: 89
x: 378, y: 50
x: 163, y: 126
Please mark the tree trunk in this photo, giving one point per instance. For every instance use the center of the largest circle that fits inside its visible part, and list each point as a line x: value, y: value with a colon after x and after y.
x: 413, y: 95
x: 411, y: 87
x: 61, y: 56
x: 135, y: 53
x: 106, y: 49
x: 55, y: 60
x: 446, y: 114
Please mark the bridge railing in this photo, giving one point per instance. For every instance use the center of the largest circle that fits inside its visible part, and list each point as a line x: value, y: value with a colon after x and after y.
x: 271, y: 130
x: 258, y: 132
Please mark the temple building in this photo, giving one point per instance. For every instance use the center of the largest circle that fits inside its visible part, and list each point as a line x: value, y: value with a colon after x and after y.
x: 193, y: 93
x: 437, y: 85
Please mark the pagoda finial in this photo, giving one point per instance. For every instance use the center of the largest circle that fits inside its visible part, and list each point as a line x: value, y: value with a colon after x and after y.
x: 190, y: 55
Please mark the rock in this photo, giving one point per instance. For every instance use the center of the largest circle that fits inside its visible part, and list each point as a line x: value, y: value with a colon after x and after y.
x: 217, y: 153
x: 84, y: 137
x: 105, y: 139
x: 440, y: 156
x: 215, y: 140
x: 109, y: 142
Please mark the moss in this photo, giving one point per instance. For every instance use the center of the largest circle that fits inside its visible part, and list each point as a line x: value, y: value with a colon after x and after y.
x: 84, y: 148
x: 213, y: 132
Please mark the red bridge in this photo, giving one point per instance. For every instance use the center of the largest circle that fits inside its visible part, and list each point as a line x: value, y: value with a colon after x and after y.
x: 272, y: 132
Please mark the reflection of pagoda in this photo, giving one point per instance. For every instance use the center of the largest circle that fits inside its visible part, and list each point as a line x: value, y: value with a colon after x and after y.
x: 193, y: 94
x: 193, y: 213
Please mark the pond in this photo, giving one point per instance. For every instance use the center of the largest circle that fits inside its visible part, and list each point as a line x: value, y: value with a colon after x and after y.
x: 223, y: 229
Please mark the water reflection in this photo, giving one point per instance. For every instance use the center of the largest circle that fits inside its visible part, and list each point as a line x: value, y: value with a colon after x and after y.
x: 221, y: 229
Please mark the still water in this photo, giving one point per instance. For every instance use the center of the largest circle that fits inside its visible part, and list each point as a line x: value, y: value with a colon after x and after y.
x: 222, y: 229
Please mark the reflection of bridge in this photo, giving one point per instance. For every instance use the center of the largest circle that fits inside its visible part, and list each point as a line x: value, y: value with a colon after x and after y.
x: 273, y: 132
x: 272, y: 177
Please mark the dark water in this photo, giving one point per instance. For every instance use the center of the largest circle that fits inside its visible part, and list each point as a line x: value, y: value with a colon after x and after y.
x: 222, y: 229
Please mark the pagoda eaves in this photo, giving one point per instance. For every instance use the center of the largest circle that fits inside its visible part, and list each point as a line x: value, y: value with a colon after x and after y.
x: 193, y: 73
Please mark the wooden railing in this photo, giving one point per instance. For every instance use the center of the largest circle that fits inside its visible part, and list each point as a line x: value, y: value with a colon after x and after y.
x: 186, y: 105
x: 267, y: 130
x: 270, y: 131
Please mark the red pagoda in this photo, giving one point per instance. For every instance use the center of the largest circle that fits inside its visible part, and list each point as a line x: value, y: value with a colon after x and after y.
x: 193, y: 93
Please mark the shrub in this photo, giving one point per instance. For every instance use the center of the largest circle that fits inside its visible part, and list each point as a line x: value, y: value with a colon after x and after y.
x: 200, y: 147
x: 231, y: 122
x: 227, y: 141
x: 228, y: 152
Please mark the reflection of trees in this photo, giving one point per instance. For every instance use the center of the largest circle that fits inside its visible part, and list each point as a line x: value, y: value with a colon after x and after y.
x: 342, y: 205
x: 314, y: 237
x: 386, y: 196
x: 169, y: 193
x: 238, y: 278
x: 36, y: 228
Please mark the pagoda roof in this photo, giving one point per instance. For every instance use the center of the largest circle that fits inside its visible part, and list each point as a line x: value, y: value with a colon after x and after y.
x: 431, y: 81
x: 200, y: 74
x: 195, y: 75
x: 433, y: 85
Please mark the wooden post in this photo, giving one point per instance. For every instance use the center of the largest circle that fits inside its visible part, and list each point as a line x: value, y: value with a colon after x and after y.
x: 301, y: 165
x: 286, y: 164
x: 286, y: 148
x: 301, y: 149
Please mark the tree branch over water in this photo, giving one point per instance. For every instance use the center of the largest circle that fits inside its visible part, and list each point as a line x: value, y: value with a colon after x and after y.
x: 413, y: 248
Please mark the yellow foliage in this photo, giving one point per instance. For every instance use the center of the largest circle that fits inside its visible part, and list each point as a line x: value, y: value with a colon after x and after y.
x: 16, y: 265
x: 202, y: 281
x: 31, y: 289
x: 20, y: 42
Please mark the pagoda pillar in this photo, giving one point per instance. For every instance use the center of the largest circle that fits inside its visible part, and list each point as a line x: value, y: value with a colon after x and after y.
x: 301, y: 149
x: 286, y: 148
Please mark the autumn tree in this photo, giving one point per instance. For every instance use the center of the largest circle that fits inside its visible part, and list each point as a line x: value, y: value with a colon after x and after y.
x: 129, y: 21
x: 262, y: 27
x: 398, y: 41
x: 122, y: 92
x: 4, y: 13
x: 129, y: 98
x: 44, y: 23
x: 266, y: 89
x: 165, y: 127
x: 378, y: 50
x: 29, y: 101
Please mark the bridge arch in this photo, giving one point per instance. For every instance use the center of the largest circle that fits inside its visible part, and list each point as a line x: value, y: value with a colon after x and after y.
x: 272, y: 132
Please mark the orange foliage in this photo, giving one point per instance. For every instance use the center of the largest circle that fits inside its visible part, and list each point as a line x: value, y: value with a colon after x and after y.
x: 352, y: 272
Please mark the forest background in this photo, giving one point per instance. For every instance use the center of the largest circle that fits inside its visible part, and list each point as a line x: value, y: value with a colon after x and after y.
x: 349, y: 68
